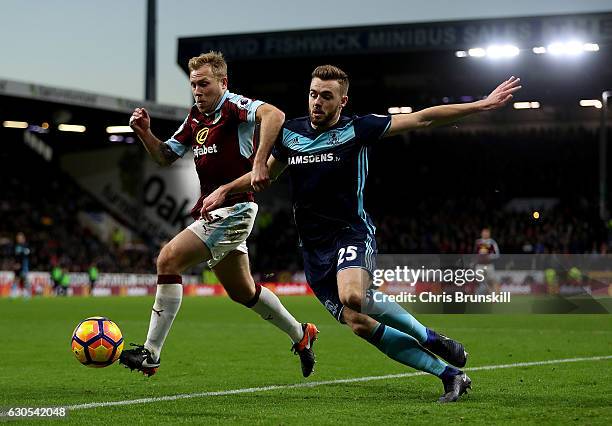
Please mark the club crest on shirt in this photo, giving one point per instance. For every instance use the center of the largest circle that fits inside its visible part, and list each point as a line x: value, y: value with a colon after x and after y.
x: 333, y: 139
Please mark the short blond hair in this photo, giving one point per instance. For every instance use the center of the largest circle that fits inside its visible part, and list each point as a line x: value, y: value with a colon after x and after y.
x: 215, y: 60
x: 331, y: 72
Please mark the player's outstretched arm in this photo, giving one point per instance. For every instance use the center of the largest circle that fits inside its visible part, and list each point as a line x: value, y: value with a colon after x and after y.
x: 444, y: 114
x: 271, y: 120
x: 161, y: 153
x: 241, y: 184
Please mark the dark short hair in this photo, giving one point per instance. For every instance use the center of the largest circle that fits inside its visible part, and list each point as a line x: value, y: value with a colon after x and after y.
x: 331, y: 72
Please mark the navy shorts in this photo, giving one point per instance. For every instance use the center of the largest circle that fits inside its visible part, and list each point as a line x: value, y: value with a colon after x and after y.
x: 321, y: 264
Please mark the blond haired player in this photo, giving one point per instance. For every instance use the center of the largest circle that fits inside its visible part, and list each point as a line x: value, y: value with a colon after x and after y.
x: 220, y: 130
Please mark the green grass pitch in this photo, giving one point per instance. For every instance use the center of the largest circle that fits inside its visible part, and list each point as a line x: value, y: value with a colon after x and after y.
x: 217, y: 345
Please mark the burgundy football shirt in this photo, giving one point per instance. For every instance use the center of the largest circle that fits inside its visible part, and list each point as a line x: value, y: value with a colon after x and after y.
x: 223, y: 144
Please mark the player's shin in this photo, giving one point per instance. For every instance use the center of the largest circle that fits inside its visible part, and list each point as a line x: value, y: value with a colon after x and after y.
x: 167, y: 303
x: 406, y: 350
x: 270, y: 308
x: 393, y: 315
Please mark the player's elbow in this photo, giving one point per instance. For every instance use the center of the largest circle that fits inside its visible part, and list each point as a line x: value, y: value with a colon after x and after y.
x: 278, y: 116
x: 273, y: 114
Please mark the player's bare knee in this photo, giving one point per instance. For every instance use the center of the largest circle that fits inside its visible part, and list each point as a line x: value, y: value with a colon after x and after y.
x: 352, y: 299
x: 237, y: 298
x: 167, y: 261
x: 244, y: 297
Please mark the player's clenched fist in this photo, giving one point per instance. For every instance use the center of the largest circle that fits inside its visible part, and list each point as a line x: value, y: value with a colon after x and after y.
x: 260, y: 177
x: 140, y: 120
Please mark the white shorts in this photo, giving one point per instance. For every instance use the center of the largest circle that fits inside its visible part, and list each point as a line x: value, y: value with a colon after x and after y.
x: 227, y: 231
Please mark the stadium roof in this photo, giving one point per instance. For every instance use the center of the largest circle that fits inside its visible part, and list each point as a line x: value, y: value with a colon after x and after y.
x: 417, y: 65
x: 36, y: 104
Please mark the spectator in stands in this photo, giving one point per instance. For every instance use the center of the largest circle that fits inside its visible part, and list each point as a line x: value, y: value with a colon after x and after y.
x: 446, y: 207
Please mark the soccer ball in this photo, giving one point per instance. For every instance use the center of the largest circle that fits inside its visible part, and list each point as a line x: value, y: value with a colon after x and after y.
x: 97, y: 342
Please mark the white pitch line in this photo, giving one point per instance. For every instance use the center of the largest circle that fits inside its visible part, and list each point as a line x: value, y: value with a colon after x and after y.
x: 320, y: 383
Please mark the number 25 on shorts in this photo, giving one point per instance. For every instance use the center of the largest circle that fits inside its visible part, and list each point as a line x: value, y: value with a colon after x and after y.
x: 350, y: 252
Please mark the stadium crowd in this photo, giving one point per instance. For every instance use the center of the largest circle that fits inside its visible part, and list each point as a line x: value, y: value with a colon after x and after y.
x: 429, y: 193
x: 46, y: 210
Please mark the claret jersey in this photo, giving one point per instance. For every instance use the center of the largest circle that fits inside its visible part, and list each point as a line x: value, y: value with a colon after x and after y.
x: 223, y: 144
x: 328, y: 172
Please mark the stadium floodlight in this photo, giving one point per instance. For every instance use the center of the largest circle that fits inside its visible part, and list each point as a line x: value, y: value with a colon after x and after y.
x: 477, y: 52
x: 119, y: 129
x: 77, y: 128
x: 556, y: 48
x: 569, y: 48
x: 591, y: 103
x: 511, y: 51
x: 590, y: 47
x: 574, y: 47
x: 494, y: 51
x: 399, y: 110
x: 538, y: 50
x: 502, y: 51
x: 15, y: 124
x: 526, y: 105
